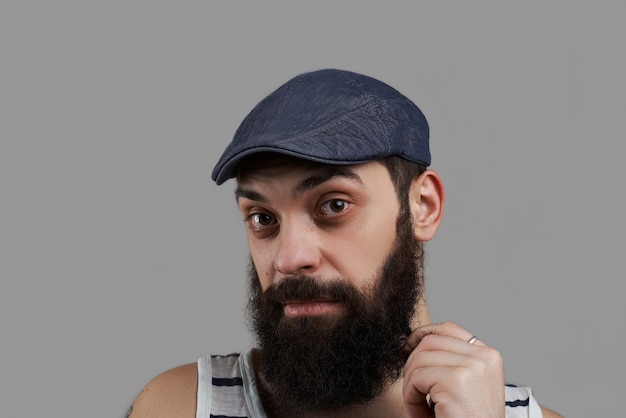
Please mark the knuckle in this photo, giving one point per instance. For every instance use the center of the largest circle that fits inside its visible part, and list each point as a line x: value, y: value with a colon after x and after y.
x: 494, y: 357
x: 490, y: 362
x: 428, y: 342
x: 478, y: 366
x: 462, y: 377
x: 450, y: 325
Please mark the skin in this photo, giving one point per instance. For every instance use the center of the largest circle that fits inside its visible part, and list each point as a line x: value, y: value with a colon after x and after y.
x: 303, y: 220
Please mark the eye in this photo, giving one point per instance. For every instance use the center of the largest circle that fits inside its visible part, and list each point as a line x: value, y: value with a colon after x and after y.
x: 334, y: 207
x: 261, y: 220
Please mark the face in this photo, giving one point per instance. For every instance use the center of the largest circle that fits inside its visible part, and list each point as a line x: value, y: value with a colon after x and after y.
x: 331, y: 326
x: 321, y: 221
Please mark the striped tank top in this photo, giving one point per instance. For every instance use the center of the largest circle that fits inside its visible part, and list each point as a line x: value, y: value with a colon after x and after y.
x: 227, y: 388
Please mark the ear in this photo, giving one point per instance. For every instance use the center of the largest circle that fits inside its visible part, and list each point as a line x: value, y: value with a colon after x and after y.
x: 426, y: 199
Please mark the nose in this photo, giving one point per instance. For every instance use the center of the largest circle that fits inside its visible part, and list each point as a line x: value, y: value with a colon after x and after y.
x: 298, y: 248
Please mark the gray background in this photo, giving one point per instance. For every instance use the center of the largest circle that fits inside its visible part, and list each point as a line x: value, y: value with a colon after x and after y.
x: 120, y: 258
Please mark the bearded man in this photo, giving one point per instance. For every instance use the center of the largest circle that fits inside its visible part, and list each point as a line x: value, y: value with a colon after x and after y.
x: 333, y: 184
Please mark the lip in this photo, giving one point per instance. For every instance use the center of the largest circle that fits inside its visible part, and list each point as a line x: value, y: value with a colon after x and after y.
x: 297, y: 308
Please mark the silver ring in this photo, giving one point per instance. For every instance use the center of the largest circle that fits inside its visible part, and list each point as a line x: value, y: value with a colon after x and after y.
x: 472, y: 340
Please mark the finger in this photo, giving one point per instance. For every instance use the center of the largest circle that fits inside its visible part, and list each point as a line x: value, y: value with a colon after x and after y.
x: 416, y: 402
x: 432, y: 349
x: 419, y: 387
x: 446, y: 328
x: 440, y: 352
x: 439, y: 393
x: 440, y: 358
x: 419, y: 409
x: 434, y: 342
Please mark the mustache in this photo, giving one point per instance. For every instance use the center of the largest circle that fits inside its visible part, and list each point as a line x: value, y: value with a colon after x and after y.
x: 309, y: 288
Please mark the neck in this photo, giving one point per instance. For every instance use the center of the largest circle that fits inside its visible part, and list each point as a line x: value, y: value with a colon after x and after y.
x: 422, y: 316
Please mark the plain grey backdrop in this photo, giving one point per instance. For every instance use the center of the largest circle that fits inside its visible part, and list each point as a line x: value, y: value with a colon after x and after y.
x: 120, y: 258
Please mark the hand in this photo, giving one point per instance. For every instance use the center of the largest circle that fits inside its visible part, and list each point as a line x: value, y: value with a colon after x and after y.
x: 462, y: 380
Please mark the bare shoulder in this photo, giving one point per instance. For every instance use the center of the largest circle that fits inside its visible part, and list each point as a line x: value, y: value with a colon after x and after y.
x: 170, y: 394
x: 548, y: 413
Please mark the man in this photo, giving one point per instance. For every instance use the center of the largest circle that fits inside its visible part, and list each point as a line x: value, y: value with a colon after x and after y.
x: 332, y: 181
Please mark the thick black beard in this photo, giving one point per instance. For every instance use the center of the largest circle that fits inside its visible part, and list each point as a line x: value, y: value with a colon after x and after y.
x: 327, y: 363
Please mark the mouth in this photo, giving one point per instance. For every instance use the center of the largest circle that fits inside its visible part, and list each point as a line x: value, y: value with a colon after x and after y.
x: 299, y: 308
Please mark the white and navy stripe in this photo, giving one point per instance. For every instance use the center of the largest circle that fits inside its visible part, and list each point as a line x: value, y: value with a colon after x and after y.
x: 223, y: 391
x: 520, y: 402
x: 224, y: 397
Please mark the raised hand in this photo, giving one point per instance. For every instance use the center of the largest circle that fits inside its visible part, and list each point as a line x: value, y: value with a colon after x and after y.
x: 451, y: 374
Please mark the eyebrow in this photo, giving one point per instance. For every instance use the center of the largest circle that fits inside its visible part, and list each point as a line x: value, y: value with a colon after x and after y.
x: 309, y: 183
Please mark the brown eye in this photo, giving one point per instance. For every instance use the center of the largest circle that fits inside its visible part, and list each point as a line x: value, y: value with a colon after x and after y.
x: 261, y: 219
x: 334, y: 206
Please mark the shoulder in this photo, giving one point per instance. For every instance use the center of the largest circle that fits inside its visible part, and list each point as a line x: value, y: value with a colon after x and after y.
x: 547, y: 413
x: 170, y: 394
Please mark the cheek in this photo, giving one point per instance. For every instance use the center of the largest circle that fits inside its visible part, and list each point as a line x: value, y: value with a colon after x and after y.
x: 365, y: 247
x: 262, y: 263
